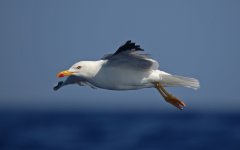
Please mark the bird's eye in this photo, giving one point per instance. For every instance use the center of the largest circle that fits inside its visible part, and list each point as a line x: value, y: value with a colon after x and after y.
x: 78, y: 67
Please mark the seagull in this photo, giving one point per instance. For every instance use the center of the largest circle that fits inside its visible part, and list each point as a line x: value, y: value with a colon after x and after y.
x: 126, y: 69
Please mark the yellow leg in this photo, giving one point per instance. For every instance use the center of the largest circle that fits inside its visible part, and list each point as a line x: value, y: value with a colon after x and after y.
x: 168, y: 97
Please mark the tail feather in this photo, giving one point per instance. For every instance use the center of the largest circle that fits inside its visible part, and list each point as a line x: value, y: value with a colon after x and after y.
x: 174, y: 80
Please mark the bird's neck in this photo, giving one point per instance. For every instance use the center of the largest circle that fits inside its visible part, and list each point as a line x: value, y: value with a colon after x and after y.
x: 93, y: 68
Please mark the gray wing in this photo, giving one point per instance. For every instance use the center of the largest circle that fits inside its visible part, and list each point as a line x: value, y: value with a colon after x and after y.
x: 127, y: 56
x: 69, y: 80
x: 72, y: 80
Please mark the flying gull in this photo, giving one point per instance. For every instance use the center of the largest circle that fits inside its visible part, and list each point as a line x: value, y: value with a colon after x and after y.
x: 126, y: 69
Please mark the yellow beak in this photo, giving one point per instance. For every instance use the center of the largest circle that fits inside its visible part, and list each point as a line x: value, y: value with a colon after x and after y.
x: 64, y: 73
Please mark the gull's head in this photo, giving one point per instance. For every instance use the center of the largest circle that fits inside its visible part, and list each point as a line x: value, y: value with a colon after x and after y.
x: 80, y: 69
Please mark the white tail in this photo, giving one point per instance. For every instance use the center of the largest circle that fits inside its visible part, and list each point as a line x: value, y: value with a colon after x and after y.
x: 174, y: 80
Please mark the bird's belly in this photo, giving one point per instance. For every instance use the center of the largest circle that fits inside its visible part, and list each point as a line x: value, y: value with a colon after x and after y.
x: 115, y: 80
x: 120, y: 86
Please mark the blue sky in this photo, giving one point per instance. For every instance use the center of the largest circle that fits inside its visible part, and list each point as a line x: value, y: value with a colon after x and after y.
x: 192, y: 38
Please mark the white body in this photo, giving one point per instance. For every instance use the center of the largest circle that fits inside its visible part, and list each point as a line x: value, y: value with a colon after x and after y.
x: 115, y: 79
x: 112, y: 78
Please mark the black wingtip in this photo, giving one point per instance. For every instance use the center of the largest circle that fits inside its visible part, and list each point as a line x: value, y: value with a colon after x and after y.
x: 128, y: 41
x: 58, y: 86
x: 128, y: 46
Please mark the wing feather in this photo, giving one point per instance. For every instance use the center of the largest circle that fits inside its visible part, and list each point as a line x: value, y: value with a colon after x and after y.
x: 128, y: 46
x: 127, y: 56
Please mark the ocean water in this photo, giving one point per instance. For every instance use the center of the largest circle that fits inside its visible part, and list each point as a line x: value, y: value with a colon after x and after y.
x: 119, y: 131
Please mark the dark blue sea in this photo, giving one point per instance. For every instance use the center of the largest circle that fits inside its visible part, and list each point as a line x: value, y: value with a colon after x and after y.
x: 119, y: 131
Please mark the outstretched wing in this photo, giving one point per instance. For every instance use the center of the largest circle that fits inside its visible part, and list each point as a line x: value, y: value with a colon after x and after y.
x: 72, y: 80
x: 127, y: 56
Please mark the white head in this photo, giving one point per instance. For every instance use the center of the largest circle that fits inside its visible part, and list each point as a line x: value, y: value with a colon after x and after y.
x: 83, y: 69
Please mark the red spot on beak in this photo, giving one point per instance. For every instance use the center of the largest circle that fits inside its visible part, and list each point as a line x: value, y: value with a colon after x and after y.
x: 61, y: 75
